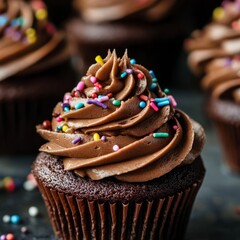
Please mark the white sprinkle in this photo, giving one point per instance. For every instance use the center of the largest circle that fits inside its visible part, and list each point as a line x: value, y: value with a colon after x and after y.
x: 33, y: 211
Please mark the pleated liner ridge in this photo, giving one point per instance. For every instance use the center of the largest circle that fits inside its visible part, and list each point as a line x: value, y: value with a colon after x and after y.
x: 75, y: 218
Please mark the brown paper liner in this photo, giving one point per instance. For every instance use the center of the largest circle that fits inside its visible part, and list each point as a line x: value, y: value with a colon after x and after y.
x: 75, y: 218
x: 229, y: 137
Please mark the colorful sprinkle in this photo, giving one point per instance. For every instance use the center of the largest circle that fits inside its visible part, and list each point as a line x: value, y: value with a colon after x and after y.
x: 59, y: 119
x: 65, y: 105
x: 6, y: 219
x: 116, y: 148
x: 123, y: 75
x: 98, y: 85
x: 143, y: 97
x: 96, y: 137
x: 175, y: 127
x: 97, y: 103
x: 129, y: 71
x: 3, y: 20
x: 79, y: 105
x: 15, y: 219
x: 94, y: 95
x: 172, y: 100
x: 163, y: 103
x: 160, y: 135
x: 133, y: 61
x: 153, y: 86
x: 46, y: 124
x: 99, y: 60
x: 66, y: 109
x: 218, y: 13
x: 41, y: 14
x: 116, y: 103
x: 93, y: 79
x: 103, y: 99
x: 96, y: 89
x: 65, y: 128
x: 109, y: 95
x: 80, y: 86
x: 153, y: 106
x: 140, y: 76
x: 10, y: 236
x: 24, y: 229
x: 142, y: 104
x: 59, y: 128
x: 152, y: 74
x: 157, y: 100
x: 103, y: 138
x: 76, y: 140
x: 33, y: 211
x: 166, y: 90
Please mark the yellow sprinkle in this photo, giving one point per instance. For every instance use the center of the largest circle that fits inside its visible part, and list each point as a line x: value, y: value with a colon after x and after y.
x: 31, y: 39
x: 96, y: 137
x: 99, y: 60
x: 65, y: 128
x: 41, y: 14
x: 218, y: 13
x: 31, y: 32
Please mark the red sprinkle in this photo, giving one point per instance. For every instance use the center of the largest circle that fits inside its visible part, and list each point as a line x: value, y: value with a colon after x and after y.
x: 93, y: 95
x: 140, y: 75
x: 76, y: 94
x: 143, y: 97
x: 109, y: 95
x: 46, y: 124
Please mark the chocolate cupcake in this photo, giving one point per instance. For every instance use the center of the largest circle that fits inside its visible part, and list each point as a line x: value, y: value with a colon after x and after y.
x: 218, y: 39
x: 120, y: 162
x: 224, y: 110
x: 35, y: 70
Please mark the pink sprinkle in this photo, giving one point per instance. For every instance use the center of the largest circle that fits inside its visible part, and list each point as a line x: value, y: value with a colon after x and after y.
x: 93, y: 79
x: 115, y: 148
x: 172, y: 100
x: 153, y: 106
x: 59, y: 119
x: 152, y: 100
x: 103, y: 99
x: 143, y: 97
x: 80, y: 86
x: 175, y: 127
x: 96, y: 89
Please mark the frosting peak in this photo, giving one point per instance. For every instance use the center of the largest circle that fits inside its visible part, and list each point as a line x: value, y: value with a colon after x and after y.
x: 117, y: 122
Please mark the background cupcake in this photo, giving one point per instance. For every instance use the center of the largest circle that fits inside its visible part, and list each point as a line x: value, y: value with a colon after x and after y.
x: 220, y: 38
x: 224, y: 110
x: 152, y: 31
x: 34, y: 71
x: 120, y: 160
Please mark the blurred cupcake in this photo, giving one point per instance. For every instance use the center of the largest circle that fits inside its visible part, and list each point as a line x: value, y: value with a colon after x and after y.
x: 224, y: 110
x: 220, y: 38
x: 120, y: 160
x: 34, y: 72
x: 152, y: 31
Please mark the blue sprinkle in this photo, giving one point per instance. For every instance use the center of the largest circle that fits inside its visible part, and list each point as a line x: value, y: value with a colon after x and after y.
x: 157, y: 100
x: 142, y: 104
x: 152, y: 74
x: 3, y: 20
x: 59, y: 128
x: 79, y: 105
x: 153, y: 86
x: 66, y: 109
x: 15, y: 219
x: 65, y: 105
x: 163, y: 103
x: 123, y: 75
x: 133, y: 61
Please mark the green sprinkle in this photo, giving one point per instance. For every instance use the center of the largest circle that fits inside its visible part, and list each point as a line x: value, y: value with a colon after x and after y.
x: 153, y: 86
x: 160, y: 135
x: 154, y: 80
x: 116, y: 103
x: 166, y: 90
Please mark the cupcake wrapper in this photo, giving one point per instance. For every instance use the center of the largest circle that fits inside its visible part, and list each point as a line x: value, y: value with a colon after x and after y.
x: 229, y: 136
x: 75, y: 218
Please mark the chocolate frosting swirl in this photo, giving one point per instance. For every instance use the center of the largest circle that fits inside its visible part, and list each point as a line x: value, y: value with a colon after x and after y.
x: 221, y: 70
x: 101, y: 11
x: 220, y: 38
x: 28, y: 41
x: 118, y: 123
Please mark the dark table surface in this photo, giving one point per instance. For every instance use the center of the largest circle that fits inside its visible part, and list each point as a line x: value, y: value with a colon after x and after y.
x: 215, y: 215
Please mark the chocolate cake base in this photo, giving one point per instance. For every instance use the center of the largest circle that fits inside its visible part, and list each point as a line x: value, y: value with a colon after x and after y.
x: 27, y: 100
x: 80, y: 208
